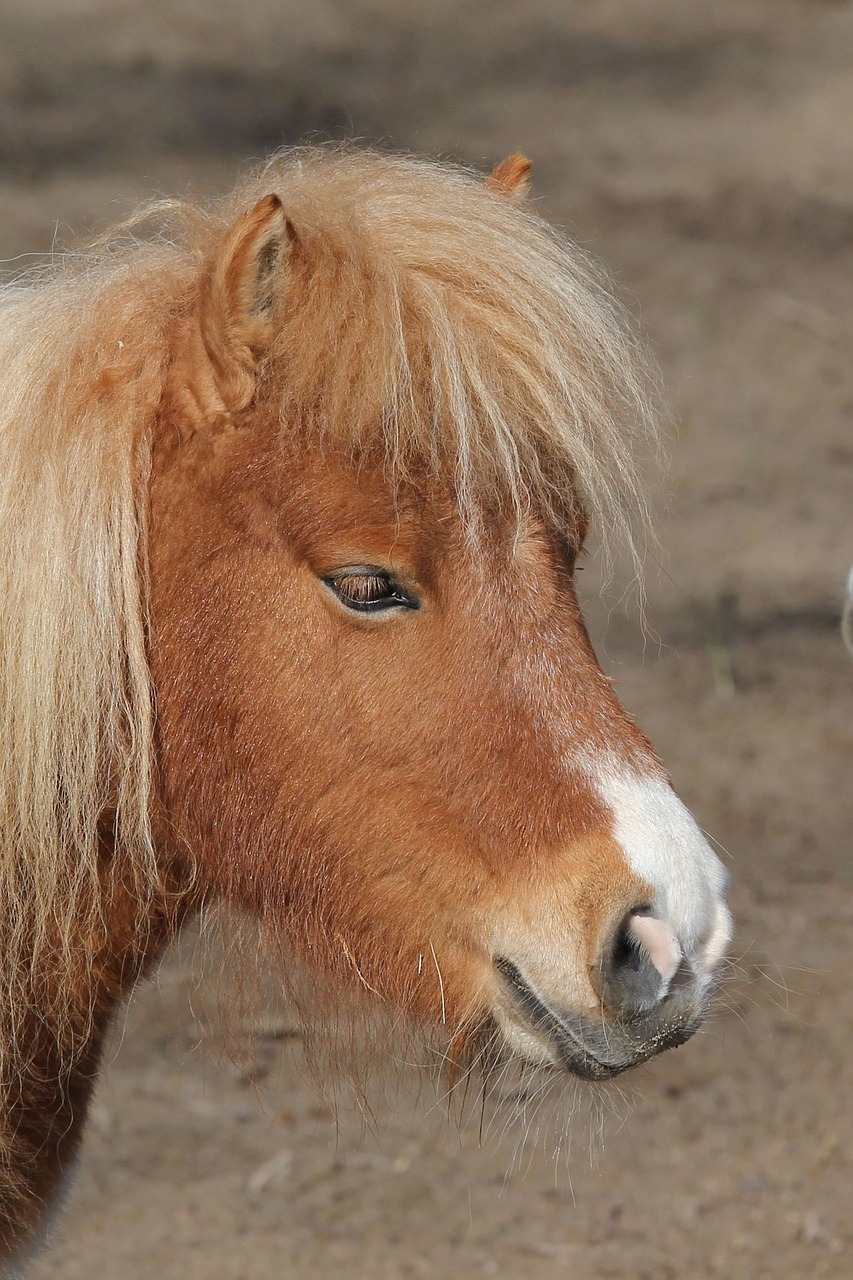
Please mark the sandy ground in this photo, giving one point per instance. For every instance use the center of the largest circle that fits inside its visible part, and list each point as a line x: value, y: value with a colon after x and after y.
x: 706, y: 153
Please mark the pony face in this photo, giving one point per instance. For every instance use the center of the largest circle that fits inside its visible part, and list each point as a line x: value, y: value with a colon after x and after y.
x: 399, y: 749
x: 382, y: 726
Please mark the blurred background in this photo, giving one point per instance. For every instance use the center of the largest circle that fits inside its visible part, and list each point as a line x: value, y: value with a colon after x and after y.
x: 705, y: 152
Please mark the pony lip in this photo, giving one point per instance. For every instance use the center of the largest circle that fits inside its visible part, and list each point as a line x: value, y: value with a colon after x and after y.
x: 595, y: 1049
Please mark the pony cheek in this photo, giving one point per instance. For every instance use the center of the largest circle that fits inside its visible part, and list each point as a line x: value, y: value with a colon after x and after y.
x: 413, y: 961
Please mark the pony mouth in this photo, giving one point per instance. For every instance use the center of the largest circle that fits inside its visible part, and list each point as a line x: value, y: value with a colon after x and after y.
x: 597, y: 1049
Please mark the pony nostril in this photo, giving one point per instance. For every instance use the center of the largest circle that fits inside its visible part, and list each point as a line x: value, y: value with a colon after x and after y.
x: 625, y: 950
x: 643, y: 960
x: 658, y: 940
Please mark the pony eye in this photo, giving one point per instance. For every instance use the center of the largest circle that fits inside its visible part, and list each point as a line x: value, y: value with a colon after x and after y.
x: 368, y: 590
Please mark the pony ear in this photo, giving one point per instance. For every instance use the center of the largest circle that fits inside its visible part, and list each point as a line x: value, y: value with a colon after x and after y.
x: 238, y: 298
x: 511, y: 177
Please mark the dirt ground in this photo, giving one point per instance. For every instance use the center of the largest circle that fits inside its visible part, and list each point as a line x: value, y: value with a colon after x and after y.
x: 706, y: 153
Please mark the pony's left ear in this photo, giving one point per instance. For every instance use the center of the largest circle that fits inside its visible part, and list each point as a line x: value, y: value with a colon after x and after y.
x: 511, y: 177
x: 241, y: 287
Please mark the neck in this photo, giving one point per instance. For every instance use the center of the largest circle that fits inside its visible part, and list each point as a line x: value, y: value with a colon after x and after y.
x: 49, y: 1060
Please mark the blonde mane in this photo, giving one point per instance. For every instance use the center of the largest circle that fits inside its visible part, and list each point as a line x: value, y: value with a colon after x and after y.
x: 439, y: 321
x: 74, y: 688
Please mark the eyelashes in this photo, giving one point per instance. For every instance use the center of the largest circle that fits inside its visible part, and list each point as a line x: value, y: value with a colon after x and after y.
x: 367, y: 589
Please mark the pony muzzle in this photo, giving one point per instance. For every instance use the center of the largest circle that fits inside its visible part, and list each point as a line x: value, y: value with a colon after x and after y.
x: 646, y: 988
x: 594, y: 1044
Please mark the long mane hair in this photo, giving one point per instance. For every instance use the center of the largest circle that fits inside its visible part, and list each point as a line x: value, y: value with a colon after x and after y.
x: 444, y: 325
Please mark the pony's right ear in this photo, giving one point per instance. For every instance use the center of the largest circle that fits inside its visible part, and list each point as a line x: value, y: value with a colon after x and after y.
x: 511, y: 177
x: 240, y: 290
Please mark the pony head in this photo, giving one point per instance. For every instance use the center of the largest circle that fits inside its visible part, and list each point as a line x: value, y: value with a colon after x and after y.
x: 315, y: 476
x: 394, y: 403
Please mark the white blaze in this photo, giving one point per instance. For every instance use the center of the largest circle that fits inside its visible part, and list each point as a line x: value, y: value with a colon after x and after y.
x: 664, y: 846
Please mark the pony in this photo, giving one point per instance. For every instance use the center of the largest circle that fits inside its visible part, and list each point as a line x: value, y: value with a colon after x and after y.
x: 292, y: 492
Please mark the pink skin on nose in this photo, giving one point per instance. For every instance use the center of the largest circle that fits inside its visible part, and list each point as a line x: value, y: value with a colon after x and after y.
x: 660, y: 944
